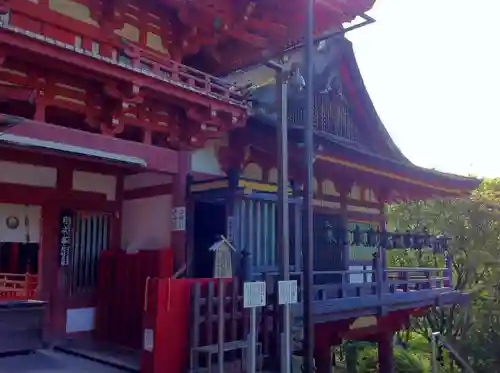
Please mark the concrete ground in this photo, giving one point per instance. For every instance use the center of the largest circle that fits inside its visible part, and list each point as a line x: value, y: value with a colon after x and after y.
x: 48, y: 361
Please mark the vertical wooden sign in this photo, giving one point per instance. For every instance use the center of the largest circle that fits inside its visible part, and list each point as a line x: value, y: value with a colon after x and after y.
x: 65, y: 237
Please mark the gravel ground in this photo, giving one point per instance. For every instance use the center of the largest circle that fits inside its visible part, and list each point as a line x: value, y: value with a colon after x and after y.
x: 46, y: 361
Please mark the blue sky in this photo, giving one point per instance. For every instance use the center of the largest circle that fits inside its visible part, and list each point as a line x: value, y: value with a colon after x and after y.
x: 432, y: 69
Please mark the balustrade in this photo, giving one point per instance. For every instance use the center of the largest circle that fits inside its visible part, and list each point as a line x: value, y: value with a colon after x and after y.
x: 376, y: 277
x: 17, y: 286
x: 119, y: 53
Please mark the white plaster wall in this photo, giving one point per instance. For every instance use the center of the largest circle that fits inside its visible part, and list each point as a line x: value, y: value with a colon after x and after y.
x: 27, y: 174
x: 94, y: 182
x: 80, y: 319
x: 20, y: 211
x: 146, y: 223
x: 205, y: 160
x: 145, y: 179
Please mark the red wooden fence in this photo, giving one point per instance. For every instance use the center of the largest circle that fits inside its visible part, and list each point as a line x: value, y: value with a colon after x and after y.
x: 18, y: 286
x: 120, y: 293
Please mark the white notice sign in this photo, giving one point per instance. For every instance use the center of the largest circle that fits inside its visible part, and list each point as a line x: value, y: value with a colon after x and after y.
x: 254, y: 294
x: 179, y: 219
x: 287, y: 292
x: 148, y: 342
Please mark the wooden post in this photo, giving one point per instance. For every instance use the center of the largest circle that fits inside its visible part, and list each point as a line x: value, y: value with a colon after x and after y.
x: 323, y: 358
x: 14, y: 257
x: 179, y: 237
x: 386, y: 352
x: 448, y: 273
x: 49, y: 288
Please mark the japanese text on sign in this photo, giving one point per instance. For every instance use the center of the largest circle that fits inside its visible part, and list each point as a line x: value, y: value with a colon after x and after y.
x: 287, y: 292
x: 254, y: 294
x: 65, y: 239
x: 179, y: 219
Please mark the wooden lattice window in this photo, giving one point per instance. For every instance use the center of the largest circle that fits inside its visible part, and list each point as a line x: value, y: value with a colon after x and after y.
x: 90, y: 239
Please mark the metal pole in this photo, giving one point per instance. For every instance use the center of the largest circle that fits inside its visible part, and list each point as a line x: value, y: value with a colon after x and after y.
x: 252, y: 363
x: 220, y: 326
x: 308, y: 244
x: 434, y: 364
x: 283, y: 214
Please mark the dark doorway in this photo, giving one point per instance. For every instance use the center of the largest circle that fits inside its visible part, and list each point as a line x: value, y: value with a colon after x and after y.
x: 209, y: 224
x: 328, y: 248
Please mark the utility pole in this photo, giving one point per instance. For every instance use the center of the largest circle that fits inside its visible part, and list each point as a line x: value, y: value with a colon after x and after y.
x: 308, y: 226
x: 283, y: 226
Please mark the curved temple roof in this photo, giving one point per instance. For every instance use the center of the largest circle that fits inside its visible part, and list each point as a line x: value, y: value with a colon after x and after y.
x: 336, y: 69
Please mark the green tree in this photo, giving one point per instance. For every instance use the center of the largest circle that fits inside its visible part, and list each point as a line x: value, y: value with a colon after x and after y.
x: 473, y: 224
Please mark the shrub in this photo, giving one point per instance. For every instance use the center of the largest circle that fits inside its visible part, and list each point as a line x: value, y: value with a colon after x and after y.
x: 405, y: 362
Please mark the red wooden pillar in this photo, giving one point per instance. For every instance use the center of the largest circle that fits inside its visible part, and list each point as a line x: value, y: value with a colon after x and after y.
x: 179, y: 237
x: 386, y: 353
x: 323, y: 358
x: 49, y: 272
x: 53, y: 287
x: 14, y: 257
x: 325, y: 339
x: 116, y: 218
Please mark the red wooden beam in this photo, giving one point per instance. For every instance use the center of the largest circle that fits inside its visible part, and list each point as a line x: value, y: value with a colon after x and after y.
x: 156, y: 158
x: 32, y: 195
x: 146, y: 192
x: 32, y: 156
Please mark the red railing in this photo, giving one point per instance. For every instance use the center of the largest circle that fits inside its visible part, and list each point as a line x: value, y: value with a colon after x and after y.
x: 86, y: 39
x: 17, y: 286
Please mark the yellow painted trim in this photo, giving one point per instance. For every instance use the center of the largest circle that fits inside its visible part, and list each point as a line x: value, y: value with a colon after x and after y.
x: 390, y: 175
x: 209, y: 185
x: 363, y: 322
x: 363, y: 209
x: 250, y: 186
x: 375, y: 223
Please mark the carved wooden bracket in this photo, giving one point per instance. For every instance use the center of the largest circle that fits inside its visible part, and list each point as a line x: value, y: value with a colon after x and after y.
x: 108, y: 125
x: 112, y: 128
x: 203, y: 115
x: 131, y: 94
x: 383, y: 194
x: 220, y: 119
x: 109, y: 14
x: 109, y: 118
x: 344, y: 186
x: 234, y: 155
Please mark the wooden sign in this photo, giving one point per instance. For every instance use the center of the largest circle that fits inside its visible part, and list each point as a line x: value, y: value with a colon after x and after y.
x: 223, y: 267
x: 65, y: 237
x: 230, y: 228
x: 179, y: 219
x: 287, y: 292
x: 254, y: 294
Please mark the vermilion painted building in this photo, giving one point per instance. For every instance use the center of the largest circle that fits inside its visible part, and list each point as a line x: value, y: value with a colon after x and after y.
x: 358, y: 169
x: 106, y: 107
x: 101, y: 105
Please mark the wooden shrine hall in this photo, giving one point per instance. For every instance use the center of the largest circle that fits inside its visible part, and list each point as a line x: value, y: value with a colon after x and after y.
x: 357, y: 171
x: 133, y: 134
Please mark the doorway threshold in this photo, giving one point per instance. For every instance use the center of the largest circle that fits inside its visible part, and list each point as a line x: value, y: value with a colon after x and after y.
x: 122, y: 358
